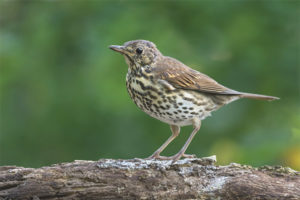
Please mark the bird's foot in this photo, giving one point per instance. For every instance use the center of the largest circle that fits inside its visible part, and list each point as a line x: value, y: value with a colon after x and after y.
x: 157, y: 156
x: 181, y: 154
x: 174, y: 158
x: 189, y: 155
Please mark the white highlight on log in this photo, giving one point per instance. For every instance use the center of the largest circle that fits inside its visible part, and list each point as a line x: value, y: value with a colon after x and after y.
x: 215, y: 184
x: 145, y: 164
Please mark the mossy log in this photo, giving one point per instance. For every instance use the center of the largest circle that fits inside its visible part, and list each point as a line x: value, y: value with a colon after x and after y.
x: 149, y: 179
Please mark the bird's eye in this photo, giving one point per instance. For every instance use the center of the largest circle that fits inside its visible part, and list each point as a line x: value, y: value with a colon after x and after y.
x: 139, y: 50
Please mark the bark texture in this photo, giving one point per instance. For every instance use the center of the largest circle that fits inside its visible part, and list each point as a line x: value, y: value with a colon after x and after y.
x: 149, y: 179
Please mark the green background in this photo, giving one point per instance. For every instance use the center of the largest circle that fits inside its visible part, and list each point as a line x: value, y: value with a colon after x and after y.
x: 63, y: 94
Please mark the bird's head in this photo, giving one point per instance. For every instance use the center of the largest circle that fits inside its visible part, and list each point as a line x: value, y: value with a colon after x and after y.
x: 138, y: 53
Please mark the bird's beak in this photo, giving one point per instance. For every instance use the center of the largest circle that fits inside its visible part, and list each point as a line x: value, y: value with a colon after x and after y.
x: 117, y: 48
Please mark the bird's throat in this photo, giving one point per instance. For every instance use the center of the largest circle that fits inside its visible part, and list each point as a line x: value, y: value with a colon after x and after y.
x: 131, y: 64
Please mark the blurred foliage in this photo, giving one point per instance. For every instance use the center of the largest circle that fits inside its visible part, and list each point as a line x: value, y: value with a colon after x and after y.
x: 63, y: 94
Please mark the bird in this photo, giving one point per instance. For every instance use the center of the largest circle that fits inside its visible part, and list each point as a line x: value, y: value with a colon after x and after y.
x: 170, y: 91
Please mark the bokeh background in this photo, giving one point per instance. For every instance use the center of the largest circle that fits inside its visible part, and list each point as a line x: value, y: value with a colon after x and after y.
x: 63, y: 94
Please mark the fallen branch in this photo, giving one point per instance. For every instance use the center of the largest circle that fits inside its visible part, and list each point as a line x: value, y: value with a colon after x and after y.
x: 148, y: 179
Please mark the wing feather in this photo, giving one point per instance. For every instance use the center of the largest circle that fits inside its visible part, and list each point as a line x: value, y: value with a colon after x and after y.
x: 181, y: 76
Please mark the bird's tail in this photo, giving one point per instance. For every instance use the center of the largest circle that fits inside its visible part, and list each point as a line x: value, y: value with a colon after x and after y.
x: 258, y: 96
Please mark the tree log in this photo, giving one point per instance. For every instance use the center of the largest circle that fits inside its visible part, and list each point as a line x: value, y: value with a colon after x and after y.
x: 149, y: 179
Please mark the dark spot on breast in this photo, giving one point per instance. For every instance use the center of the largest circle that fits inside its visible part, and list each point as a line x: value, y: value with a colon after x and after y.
x: 188, y: 99
x: 151, y: 95
x: 148, y: 70
x: 208, y: 108
x: 184, y: 108
x: 162, y: 107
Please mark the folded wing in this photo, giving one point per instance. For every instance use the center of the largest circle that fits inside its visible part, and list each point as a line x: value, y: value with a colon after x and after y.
x: 182, y: 77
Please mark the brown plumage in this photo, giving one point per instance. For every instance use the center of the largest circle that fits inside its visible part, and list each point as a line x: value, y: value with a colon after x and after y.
x: 181, y: 76
x: 170, y: 91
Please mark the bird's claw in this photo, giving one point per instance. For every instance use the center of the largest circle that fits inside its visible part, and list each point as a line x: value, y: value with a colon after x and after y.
x: 173, y: 158
x: 189, y: 155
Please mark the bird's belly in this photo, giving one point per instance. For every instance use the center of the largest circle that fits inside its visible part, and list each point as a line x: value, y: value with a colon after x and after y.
x: 178, y: 107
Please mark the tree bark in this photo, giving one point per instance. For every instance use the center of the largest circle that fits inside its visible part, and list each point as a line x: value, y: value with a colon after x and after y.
x: 149, y: 179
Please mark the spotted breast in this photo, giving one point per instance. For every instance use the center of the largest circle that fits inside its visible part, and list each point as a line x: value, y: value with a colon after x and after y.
x: 167, y: 104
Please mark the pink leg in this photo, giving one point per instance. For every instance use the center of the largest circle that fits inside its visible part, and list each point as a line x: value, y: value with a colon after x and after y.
x: 175, y: 132
x: 197, y: 125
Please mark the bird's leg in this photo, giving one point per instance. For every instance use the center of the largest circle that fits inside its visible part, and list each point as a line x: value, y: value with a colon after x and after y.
x: 197, y: 125
x: 175, y: 132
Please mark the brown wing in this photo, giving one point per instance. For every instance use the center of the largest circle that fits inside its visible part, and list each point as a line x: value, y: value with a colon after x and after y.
x: 182, y: 77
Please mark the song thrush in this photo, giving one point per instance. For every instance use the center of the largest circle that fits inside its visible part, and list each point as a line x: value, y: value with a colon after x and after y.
x: 171, y: 92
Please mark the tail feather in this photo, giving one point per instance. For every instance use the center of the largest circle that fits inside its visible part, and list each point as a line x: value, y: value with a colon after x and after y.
x: 258, y: 96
